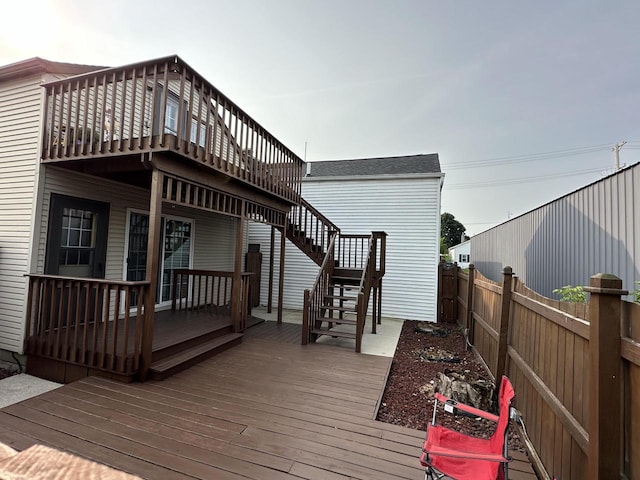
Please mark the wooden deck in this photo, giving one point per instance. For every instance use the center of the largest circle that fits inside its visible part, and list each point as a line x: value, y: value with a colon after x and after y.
x: 266, y: 409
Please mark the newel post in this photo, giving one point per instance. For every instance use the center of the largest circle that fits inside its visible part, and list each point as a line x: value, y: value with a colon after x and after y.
x: 505, y: 311
x: 468, y: 321
x: 604, y: 415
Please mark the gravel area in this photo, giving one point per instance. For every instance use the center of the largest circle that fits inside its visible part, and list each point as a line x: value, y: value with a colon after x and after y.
x: 418, y: 359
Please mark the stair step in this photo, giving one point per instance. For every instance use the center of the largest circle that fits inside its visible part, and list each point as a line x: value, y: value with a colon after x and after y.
x: 348, y: 272
x: 337, y: 280
x: 340, y: 297
x: 337, y: 308
x: 331, y: 333
x: 344, y: 321
x: 166, y: 367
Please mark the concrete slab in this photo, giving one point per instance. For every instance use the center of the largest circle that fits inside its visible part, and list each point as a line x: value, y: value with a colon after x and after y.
x: 20, y: 387
x: 383, y: 343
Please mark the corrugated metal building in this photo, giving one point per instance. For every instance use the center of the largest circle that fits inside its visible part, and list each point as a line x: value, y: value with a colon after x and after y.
x: 398, y: 195
x: 591, y: 230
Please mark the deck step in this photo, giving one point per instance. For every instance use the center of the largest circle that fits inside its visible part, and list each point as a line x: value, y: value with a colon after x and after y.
x: 331, y: 333
x: 177, y: 362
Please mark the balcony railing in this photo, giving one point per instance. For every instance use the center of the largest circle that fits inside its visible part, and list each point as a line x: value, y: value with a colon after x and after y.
x: 164, y: 105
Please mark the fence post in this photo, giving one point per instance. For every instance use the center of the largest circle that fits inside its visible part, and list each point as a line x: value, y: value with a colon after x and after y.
x: 604, y: 416
x: 469, y: 320
x: 505, y: 309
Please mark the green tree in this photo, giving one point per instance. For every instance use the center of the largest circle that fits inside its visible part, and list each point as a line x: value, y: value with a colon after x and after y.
x: 444, y: 251
x: 451, y: 230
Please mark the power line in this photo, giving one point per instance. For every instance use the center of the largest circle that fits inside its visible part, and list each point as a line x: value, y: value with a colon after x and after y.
x: 527, y: 157
x: 518, y: 181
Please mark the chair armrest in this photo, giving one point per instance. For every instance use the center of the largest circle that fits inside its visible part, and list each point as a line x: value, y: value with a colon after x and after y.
x: 465, y: 408
x: 447, y: 452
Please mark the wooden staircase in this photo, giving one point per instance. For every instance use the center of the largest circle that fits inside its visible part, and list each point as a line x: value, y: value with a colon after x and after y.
x: 341, y: 305
x: 351, y: 270
x: 310, y: 231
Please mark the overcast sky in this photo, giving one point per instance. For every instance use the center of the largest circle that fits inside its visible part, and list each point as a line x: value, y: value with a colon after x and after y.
x: 523, y: 101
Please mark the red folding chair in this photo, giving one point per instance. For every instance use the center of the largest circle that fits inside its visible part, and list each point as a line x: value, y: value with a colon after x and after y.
x: 462, y: 457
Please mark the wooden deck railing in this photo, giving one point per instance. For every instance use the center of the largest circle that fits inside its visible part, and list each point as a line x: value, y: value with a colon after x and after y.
x: 164, y: 105
x: 210, y: 290
x: 86, y: 322
x: 354, y: 250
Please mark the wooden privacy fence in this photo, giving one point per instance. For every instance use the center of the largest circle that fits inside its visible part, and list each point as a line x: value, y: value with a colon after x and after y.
x: 575, y: 368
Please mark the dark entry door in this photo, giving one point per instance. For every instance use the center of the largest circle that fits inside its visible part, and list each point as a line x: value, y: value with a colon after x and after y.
x: 76, y: 247
x: 77, y: 237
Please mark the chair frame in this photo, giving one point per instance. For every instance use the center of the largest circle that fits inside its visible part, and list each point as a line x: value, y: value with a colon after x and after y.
x: 457, y: 408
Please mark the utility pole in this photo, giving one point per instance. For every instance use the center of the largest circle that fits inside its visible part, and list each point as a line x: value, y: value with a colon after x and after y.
x: 616, y: 152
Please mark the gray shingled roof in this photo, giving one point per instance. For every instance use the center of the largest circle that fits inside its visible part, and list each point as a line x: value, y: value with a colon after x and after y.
x: 376, y: 166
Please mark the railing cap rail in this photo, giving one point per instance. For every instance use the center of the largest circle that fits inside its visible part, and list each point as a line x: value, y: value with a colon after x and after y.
x: 85, y: 279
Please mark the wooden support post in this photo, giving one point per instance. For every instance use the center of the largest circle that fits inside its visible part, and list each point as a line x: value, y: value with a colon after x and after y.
x: 283, y: 239
x: 605, y: 384
x: 305, y: 318
x: 236, y: 289
x: 380, y: 301
x: 469, y: 320
x: 153, y: 247
x: 505, y: 312
x: 271, y: 252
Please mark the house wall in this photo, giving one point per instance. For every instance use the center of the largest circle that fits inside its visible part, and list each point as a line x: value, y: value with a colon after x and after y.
x: 214, y: 240
x: 463, y: 248
x: 20, y: 110
x: 592, y: 230
x: 408, y: 209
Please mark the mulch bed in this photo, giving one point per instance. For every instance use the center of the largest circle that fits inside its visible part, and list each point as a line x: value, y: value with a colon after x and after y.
x: 419, y: 357
x: 4, y: 373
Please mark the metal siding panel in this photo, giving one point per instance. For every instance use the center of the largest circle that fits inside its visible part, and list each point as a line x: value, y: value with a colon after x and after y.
x: 595, y: 229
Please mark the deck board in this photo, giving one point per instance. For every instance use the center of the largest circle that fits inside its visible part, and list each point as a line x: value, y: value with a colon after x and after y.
x: 263, y: 410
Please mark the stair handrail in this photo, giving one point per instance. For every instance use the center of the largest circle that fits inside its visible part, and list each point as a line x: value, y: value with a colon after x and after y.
x: 366, y: 282
x: 305, y: 218
x: 313, y: 298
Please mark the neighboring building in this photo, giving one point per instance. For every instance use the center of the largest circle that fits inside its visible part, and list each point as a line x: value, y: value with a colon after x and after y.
x: 461, y: 254
x: 595, y: 229
x: 398, y: 195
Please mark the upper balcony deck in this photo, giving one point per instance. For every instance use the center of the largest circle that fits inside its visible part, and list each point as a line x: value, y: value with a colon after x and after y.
x: 164, y: 105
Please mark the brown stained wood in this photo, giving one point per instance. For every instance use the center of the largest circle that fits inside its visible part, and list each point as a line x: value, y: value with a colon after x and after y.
x: 221, y: 414
x: 604, y: 384
x: 569, y: 421
x: 575, y: 324
x: 503, y: 330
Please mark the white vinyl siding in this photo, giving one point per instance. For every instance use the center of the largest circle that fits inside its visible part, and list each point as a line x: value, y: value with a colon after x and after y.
x: 407, y: 209
x: 214, y: 241
x: 19, y: 140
